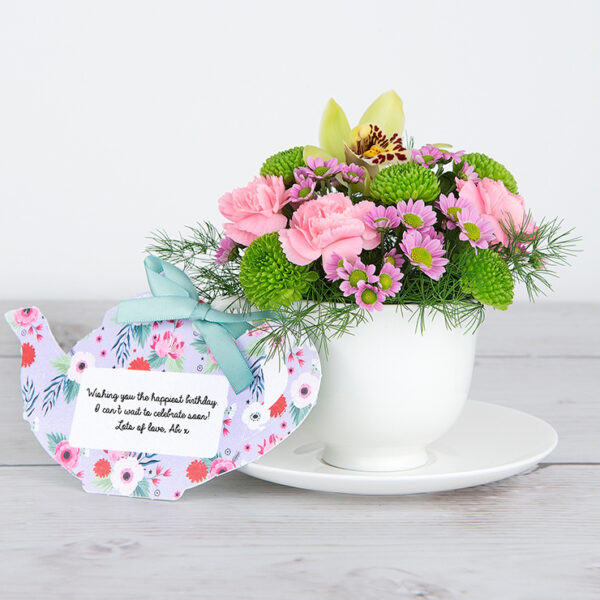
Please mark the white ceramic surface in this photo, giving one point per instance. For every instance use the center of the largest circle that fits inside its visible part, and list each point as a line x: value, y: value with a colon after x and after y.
x: 488, y: 443
x: 388, y: 391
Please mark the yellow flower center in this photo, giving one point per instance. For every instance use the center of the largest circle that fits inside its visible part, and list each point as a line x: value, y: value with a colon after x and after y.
x: 356, y: 276
x: 368, y: 296
x: 422, y: 256
x: 453, y: 212
x: 413, y: 220
x: 473, y: 232
x: 385, y: 281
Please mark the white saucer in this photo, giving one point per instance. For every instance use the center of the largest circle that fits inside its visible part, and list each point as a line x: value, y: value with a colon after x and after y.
x: 488, y: 443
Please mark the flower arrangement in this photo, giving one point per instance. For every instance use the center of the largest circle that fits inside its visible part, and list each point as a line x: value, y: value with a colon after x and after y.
x: 326, y: 236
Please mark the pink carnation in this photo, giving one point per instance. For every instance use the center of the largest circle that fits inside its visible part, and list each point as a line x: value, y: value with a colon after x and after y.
x: 255, y: 209
x: 500, y: 207
x: 326, y: 225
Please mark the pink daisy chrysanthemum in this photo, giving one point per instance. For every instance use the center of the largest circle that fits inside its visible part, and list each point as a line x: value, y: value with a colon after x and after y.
x: 382, y: 218
x: 456, y: 157
x: 424, y: 253
x: 226, y: 248
x: 468, y: 171
x: 302, y: 173
x: 393, y: 258
x: 353, y: 272
x: 416, y: 215
x: 331, y: 267
x: 427, y: 155
x: 389, y: 279
x: 303, y: 190
x: 369, y: 296
x: 433, y: 234
x: 323, y: 169
x: 475, y: 229
x: 352, y: 173
x: 451, y: 207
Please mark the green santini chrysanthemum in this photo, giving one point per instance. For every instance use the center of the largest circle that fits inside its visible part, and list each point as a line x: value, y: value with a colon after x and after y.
x: 268, y: 278
x: 283, y: 164
x: 487, y: 278
x: 400, y: 182
x: 488, y: 167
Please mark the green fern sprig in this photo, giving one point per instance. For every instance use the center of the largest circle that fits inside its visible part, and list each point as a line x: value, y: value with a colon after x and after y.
x: 532, y: 257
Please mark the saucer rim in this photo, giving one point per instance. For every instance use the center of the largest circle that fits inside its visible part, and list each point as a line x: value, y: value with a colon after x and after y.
x: 408, y: 477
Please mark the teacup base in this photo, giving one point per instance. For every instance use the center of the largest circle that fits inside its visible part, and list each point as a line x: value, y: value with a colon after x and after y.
x: 375, y: 461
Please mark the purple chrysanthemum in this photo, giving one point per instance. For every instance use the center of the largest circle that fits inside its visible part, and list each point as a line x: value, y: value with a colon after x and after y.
x: 332, y: 265
x: 225, y: 250
x: 433, y: 234
x: 475, y: 229
x: 416, y: 215
x: 451, y: 207
x: 352, y: 173
x: 369, y: 296
x: 323, y: 169
x: 389, y: 279
x: 303, y: 190
x: 424, y: 253
x: 468, y: 173
x: 393, y: 258
x: 353, y: 272
x: 427, y: 155
x: 382, y: 218
x: 302, y: 173
x: 456, y: 157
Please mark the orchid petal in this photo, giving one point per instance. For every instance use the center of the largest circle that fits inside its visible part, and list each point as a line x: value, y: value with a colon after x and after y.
x: 387, y: 112
x: 334, y: 129
x: 316, y: 152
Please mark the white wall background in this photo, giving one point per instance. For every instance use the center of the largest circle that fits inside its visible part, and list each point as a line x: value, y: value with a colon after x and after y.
x: 117, y: 118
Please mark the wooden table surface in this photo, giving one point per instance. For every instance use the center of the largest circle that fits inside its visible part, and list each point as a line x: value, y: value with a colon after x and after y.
x: 535, y: 536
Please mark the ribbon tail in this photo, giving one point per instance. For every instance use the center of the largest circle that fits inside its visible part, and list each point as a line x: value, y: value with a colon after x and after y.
x: 228, y: 356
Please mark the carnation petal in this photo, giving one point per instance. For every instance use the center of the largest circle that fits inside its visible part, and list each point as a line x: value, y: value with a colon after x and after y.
x: 296, y: 248
x: 238, y: 235
x: 346, y: 248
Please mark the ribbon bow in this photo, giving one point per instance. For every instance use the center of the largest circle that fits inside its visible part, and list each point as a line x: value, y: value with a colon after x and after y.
x: 175, y: 297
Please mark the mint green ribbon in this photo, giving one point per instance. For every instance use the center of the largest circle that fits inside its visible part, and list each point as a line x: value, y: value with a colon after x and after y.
x: 175, y: 297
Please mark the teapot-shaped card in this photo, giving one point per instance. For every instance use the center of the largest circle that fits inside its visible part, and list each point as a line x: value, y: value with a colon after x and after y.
x: 149, y: 407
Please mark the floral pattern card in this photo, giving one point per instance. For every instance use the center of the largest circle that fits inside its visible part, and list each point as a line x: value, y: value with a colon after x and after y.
x: 143, y: 410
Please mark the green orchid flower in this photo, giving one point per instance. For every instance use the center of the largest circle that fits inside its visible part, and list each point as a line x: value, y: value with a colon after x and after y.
x: 374, y: 142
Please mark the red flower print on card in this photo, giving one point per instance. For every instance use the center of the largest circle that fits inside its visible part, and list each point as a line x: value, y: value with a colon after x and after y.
x: 139, y: 364
x: 102, y: 468
x: 196, y: 471
x: 27, y: 355
x: 279, y: 406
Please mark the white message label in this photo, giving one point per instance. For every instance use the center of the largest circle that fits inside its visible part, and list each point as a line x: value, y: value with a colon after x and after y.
x: 149, y: 411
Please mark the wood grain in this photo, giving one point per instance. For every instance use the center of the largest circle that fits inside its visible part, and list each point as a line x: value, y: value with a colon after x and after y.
x: 532, y: 536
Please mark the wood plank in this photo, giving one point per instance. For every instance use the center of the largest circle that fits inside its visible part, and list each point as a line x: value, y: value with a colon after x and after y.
x: 531, y: 537
x: 542, y: 329
x: 564, y: 392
